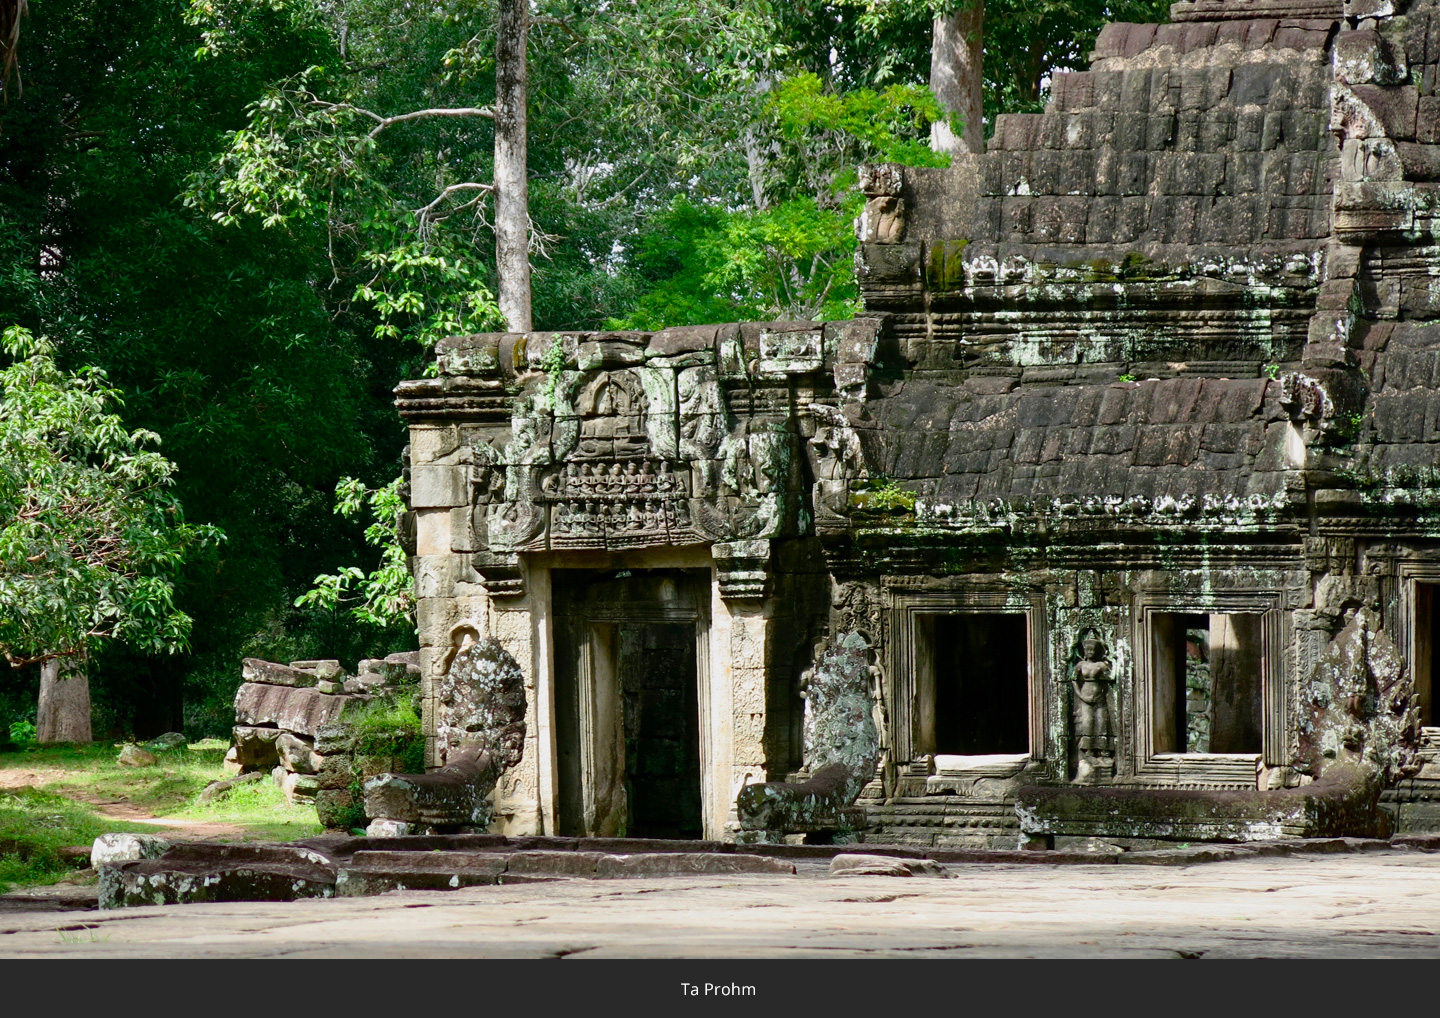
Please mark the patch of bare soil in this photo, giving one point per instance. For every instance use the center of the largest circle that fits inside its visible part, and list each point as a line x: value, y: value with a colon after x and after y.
x: 179, y: 830
x: 122, y: 809
x: 26, y: 779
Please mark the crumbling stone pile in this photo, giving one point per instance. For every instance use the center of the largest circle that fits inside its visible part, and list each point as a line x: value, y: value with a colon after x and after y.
x: 297, y: 722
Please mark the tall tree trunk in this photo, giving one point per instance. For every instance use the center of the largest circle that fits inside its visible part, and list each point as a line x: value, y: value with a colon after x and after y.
x: 957, y: 52
x: 64, y: 711
x: 11, y: 11
x: 512, y: 177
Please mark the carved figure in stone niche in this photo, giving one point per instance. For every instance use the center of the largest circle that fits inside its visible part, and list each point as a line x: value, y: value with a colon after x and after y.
x: 487, y: 475
x: 1091, y: 678
x: 612, y: 425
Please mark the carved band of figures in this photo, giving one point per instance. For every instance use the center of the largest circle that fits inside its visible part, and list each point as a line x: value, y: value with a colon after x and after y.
x: 628, y: 479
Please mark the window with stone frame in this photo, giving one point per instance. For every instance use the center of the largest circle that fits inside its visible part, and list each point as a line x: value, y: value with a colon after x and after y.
x: 1425, y: 646
x: 964, y: 670
x: 980, y: 673
x: 1207, y: 682
x: 1210, y: 704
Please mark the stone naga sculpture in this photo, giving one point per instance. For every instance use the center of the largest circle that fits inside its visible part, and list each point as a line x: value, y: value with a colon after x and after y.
x: 1363, y: 719
x: 842, y: 747
x: 480, y: 727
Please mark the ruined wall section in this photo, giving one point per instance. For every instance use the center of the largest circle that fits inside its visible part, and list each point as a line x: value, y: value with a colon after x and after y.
x: 1167, y: 214
x: 531, y: 446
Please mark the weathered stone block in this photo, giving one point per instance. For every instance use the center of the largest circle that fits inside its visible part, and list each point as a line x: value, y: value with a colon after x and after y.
x: 324, y: 671
x: 254, y: 670
x: 255, y: 747
x: 1396, y: 108
x: 438, y: 487
x: 688, y: 863
x: 298, y: 754
x: 296, y: 710
x: 196, y: 872
x: 337, y: 808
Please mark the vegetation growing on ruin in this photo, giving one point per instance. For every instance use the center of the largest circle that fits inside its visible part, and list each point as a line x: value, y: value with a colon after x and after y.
x: 390, y: 727
x: 883, y: 495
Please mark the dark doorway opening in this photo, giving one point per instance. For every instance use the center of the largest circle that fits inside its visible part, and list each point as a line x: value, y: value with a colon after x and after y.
x: 1427, y: 650
x: 982, y: 680
x: 662, y: 729
x: 1209, y: 681
x: 627, y: 706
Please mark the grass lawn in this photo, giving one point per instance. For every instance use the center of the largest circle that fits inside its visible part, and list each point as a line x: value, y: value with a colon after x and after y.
x: 58, y: 795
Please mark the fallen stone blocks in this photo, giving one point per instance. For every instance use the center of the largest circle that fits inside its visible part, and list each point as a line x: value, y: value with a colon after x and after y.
x: 294, y: 722
x: 198, y: 872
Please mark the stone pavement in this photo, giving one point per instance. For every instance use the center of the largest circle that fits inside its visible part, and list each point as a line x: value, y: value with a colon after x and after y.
x: 1364, y: 905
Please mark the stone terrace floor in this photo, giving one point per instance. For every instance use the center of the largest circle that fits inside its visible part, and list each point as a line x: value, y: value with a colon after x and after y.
x: 1366, y: 905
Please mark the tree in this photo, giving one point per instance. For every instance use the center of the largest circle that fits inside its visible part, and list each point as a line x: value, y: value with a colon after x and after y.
x: 225, y: 340
x: 90, y: 534
x: 512, y: 164
x: 11, y: 11
x: 957, y: 78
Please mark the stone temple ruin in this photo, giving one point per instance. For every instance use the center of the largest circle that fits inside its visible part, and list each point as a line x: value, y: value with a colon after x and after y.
x: 1112, y: 523
x: 1127, y: 483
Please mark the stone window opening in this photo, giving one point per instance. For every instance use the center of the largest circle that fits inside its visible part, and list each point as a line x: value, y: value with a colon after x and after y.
x: 1425, y: 654
x: 1207, y: 675
x: 974, y: 686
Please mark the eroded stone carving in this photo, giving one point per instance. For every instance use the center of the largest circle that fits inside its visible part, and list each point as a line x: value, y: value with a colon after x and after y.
x: 480, y: 728
x: 1362, y: 710
x: 842, y: 746
x: 1092, y: 678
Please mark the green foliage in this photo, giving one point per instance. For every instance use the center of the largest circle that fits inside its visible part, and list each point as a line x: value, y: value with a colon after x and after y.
x: 91, y: 535
x: 884, y: 495
x: 35, y: 825
x: 1024, y: 40
x: 553, y: 364
x: 792, y: 256
x: 390, y: 727
x: 22, y: 731
x: 386, y: 596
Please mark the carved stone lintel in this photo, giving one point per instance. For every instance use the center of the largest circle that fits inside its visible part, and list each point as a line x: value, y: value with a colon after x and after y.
x: 502, y: 575
x: 742, y: 568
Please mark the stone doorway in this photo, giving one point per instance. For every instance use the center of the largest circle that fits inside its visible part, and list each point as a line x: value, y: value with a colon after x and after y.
x: 628, y: 651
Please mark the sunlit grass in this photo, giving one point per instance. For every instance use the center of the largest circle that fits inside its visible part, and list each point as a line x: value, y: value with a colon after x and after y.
x: 34, y: 827
x: 35, y: 823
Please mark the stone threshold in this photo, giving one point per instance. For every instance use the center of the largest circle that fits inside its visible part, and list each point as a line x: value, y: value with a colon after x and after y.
x: 356, y: 867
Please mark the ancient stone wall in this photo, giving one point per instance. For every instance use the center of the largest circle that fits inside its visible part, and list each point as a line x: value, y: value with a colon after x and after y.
x: 1167, y: 351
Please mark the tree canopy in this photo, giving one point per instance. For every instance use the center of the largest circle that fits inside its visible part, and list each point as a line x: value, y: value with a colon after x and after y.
x: 91, y: 535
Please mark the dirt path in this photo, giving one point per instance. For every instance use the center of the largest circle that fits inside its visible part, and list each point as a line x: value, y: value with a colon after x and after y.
x: 120, y: 808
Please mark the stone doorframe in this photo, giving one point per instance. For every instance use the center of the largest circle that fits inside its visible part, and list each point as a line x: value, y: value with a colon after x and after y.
x: 711, y: 659
x: 1209, y: 770
x: 1412, y: 642
x: 907, y: 672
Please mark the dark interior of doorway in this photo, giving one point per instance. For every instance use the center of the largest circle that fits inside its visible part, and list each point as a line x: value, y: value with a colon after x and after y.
x: 981, y: 684
x: 662, y: 729
x: 648, y: 620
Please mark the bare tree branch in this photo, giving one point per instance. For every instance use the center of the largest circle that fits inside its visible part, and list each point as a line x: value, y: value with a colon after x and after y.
x: 383, y: 122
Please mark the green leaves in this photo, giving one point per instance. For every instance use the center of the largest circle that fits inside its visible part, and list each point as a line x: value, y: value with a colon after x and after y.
x: 90, y: 535
x: 792, y: 255
x: 385, y: 597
